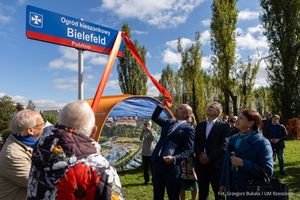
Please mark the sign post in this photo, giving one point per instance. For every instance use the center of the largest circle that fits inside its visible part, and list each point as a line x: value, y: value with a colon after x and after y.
x: 60, y: 29
x: 80, y: 74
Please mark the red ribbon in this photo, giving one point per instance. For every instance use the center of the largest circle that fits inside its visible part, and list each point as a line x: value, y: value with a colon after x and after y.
x: 136, y: 55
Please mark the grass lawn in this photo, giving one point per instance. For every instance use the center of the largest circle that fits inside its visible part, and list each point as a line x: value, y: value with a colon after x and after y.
x: 135, y: 190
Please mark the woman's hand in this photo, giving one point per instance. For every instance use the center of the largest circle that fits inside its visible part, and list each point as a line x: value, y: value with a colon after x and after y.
x: 236, y: 161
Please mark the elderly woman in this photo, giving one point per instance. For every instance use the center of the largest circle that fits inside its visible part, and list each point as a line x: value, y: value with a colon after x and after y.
x: 248, y: 156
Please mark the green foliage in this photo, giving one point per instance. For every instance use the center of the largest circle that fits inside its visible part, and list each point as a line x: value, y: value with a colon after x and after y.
x: 191, y: 75
x: 246, y: 78
x: 281, y: 22
x: 122, y: 131
x: 264, y: 100
x: 31, y: 105
x: 223, y: 43
x: 7, y: 109
x: 132, y: 78
x: 50, y: 118
x: 4, y: 134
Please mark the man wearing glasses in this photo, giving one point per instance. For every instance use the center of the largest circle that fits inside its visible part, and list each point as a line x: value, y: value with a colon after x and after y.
x: 15, y: 157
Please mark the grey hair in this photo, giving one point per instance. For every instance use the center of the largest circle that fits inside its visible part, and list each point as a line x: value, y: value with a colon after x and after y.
x: 218, y: 107
x: 79, y: 116
x: 23, y: 120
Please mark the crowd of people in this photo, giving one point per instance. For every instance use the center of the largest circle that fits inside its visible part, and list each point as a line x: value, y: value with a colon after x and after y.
x: 62, y: 161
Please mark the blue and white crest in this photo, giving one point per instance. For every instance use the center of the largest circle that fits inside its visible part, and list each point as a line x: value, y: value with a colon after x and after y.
x: 36, y: 20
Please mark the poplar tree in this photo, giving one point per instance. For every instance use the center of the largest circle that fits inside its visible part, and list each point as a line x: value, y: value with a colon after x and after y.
x: 246, y: 78
x: 192, y: 78
x: 281, y: 22
x: 132, y: 78
x: 223, y: 43
x: 167, y: 80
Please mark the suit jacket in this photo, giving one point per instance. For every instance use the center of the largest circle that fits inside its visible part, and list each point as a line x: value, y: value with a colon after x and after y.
x: 256, y: 153
x: 215, y: 144
x: 280, y: 134
x: 182, y: 136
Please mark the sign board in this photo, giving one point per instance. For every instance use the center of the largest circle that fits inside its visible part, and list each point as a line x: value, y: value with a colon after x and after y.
x: 68, y: 31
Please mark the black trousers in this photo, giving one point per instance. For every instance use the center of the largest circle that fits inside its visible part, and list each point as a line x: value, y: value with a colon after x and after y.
x: 208, y: 174
x: 164, y: 176
x: 146, y: 165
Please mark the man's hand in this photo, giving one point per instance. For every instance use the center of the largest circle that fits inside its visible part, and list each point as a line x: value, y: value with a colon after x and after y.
x: 203, y: 159
x: 169, y: 159
x: 236, y: 161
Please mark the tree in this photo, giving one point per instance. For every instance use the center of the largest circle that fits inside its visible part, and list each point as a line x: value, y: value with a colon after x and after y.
x: 247, y: 75
x: 132, y: 78
x: 167, y: 80
x: 223, y: 23
x: 31, y: 105
x: 264, y: 101
x: 192, y: 77
x: 281, y: 22
x: 7, y: 109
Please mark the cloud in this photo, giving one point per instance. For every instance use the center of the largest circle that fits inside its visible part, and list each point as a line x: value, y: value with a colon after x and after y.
x: 6, y: 13
x: 251, y: 42
x: 113, y: 84
x: 185, y: 42
x: 163, y: 13
x: 171, y: 57
x: 206, y: 22
x: 148, y: 54
x: 152, y: 90
x: 22, y: 2
x: 69, y: 59
x: 205, y: 37
x: 252, y: 39
x: 139, y: 32
x: 206, y: 62
x: 66, y: 84
x: 261, y: 77
x: 41, y: 104
x: 248, y: 15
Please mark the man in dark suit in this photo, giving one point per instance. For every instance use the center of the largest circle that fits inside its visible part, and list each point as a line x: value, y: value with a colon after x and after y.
x: 210, y: 148
x: 175, y: 144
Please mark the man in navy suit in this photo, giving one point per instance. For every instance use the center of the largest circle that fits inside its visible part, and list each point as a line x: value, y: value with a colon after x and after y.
x: 176, y: 143
x: 210, y: 147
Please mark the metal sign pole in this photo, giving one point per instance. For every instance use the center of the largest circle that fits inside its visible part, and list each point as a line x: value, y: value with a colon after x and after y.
x: 80, y: 74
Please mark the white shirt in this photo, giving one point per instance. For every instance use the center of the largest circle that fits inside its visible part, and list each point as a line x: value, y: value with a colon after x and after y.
x: 209, y: 125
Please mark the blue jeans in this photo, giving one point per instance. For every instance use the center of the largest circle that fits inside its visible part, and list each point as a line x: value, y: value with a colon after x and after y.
x: 279, y: 153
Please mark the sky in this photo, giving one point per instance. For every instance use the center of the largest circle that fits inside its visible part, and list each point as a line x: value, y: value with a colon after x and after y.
x: 47, y: 73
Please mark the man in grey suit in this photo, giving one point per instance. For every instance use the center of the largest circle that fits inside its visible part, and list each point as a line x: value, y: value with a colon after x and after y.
x: 210, y: 148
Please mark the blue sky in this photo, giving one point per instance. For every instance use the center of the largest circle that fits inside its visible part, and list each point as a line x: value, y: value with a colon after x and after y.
x: 47, y: 73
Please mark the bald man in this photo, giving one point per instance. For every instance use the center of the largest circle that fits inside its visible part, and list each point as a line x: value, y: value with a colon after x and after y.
x: 175, y: 144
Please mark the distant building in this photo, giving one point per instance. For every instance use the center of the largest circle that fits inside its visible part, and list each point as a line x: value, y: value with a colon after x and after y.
x: 129, y: 122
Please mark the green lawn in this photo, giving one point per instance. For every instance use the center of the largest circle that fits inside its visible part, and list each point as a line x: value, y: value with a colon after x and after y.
x: 135, y: 190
